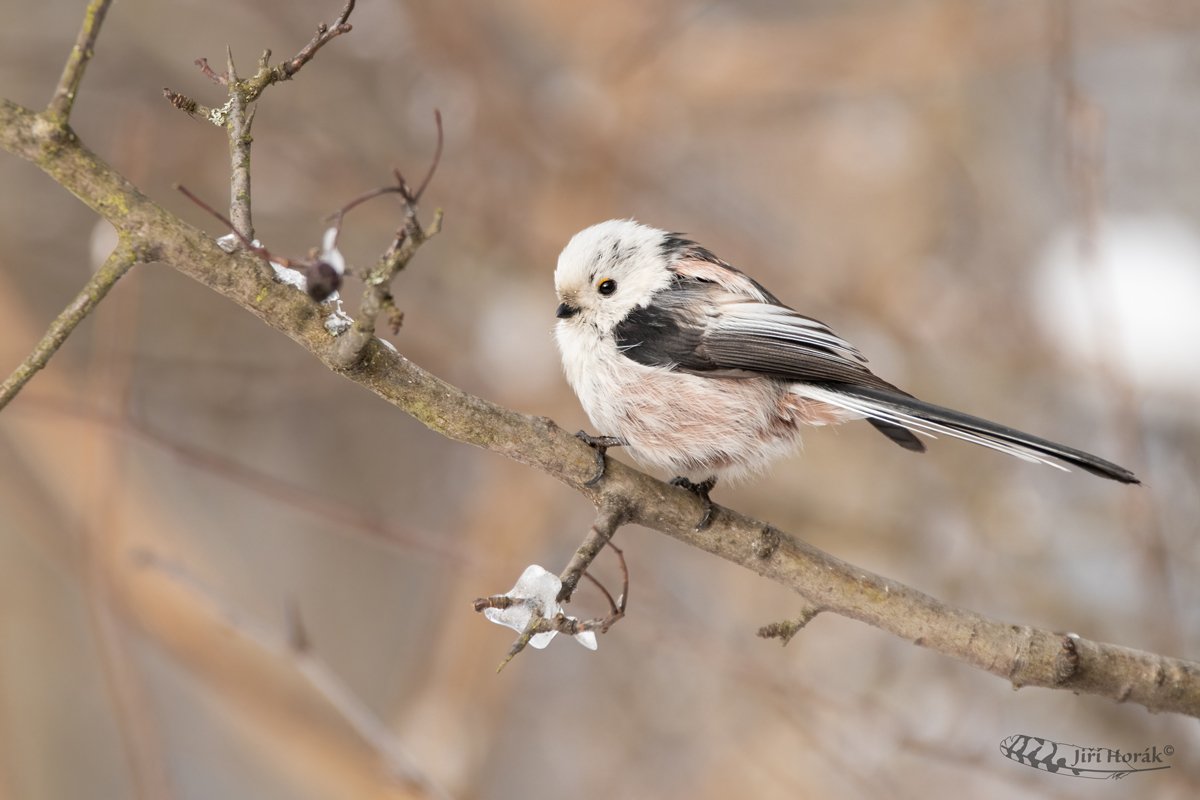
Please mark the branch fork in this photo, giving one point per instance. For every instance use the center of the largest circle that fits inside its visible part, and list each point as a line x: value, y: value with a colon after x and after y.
x: 532, y: 607
x: 377, y: 297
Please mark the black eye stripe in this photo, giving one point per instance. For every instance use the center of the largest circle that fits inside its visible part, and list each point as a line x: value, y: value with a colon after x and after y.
x: 607, y: 286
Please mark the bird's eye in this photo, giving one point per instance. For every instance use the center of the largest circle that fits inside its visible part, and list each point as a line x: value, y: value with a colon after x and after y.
x: 607, y: 286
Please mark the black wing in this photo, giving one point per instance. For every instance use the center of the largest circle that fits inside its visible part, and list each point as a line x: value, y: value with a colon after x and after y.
x: 699, y: 327
x: 696, y: 326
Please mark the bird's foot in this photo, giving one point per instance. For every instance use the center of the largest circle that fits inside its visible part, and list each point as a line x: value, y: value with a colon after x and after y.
x: 701, y: 490
x: 600, y: 444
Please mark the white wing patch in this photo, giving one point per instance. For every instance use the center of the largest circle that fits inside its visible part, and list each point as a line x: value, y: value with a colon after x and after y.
x: 779, y: 322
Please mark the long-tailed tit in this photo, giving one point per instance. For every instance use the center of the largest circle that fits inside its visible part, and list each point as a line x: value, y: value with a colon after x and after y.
x: 700, y: 371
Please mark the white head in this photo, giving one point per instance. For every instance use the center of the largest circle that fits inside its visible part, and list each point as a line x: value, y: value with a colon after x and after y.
x: 608, y: 270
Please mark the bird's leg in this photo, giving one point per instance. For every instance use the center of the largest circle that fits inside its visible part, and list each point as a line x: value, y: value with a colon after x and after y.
x: 701, y: 490
x: 600, y: 444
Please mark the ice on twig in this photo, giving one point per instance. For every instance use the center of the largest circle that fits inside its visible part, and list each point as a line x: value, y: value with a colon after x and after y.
x: 536, y: 590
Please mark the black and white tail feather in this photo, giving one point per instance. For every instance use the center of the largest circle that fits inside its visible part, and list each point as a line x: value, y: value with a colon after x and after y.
x: 888, y: 410
x: 702, y: 370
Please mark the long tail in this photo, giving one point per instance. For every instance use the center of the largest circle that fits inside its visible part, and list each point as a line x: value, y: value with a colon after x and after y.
x: 895, y: 415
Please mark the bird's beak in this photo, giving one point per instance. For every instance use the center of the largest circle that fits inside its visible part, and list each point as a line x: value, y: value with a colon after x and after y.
x: 565, y: 311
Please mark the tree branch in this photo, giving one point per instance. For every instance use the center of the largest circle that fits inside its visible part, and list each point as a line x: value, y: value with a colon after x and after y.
x: 237, y: 115
x: 239, y: 157
x: 267, y: 76
x: 117, y: 264
x: 59, y: 110
x: 1022, y: 655
x: 377, y: 297
x: 608, y: 519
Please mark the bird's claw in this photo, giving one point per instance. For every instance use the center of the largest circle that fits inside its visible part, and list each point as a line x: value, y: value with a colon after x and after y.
x: 600, y: 444
x: 701, y: 490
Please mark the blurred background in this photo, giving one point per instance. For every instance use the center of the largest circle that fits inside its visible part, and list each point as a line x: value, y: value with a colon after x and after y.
x: 998, y: 201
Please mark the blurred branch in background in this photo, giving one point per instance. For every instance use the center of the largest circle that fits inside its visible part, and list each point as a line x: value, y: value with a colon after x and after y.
x: 349, y: 520
x: 296, y: 649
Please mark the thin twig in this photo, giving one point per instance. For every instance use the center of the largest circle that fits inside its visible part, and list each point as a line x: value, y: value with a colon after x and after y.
x: 608, y: 519
x: 220, y: 80
x: 258, y: 250
x: 437, y: 159
x: 59, y: 110
x: 243, y: 93
x: 321, y: 279
x: 267, y: 75
x: 186, y: 104
x: 616, y: 608
x: 553, y: 620
x: 118, y: 263
x: 339, y: 216
x: 323, y: 37
x: 377, y: 297
x: 294, y: 647
x: 612, y: 604
x: 239, y: 157
x: 784, y: 631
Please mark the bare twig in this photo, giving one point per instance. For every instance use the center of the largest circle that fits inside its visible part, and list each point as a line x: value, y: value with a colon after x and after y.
x: 243, y: 93
x: 295, y: 647
x: 59, y: 110
x: 118, y: 263
x: 267, y: 75
x: 612, y: 604
x: 433, y: 165
x: 410, y: 198
x: 321, y: 278
x: 608, y: 519
x: 220, y: 80
x: 237, y: 115
x: 377, y: 297
x: 186, y: 104
x: 559, y: 623
x: 258, y: 250
x: 784, y: 631
x: 324, y: 36
x: 500, y: 601
x: 239, y: 156
x: 617, y: 608
x: 553, y: 620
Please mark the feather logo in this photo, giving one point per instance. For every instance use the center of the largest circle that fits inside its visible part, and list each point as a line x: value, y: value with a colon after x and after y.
x: 1096, y: 763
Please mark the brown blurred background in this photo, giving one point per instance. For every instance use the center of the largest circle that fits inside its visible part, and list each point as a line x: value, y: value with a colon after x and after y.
x: 927, y: 176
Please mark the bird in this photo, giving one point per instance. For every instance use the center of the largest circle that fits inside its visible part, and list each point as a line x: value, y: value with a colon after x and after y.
x: 696, y: 369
